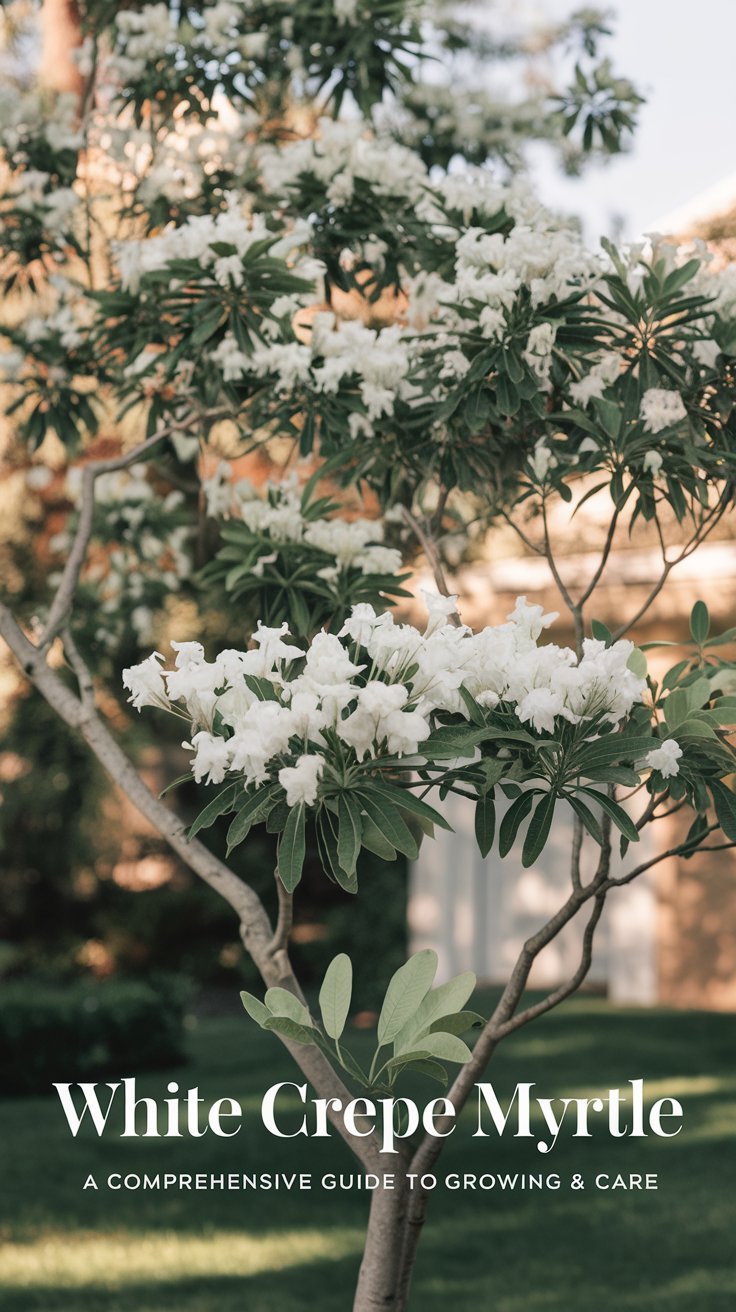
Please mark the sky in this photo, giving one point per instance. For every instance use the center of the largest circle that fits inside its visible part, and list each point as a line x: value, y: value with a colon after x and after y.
x: 681, y: 54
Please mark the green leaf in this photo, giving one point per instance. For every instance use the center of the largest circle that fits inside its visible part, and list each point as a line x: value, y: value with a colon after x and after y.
x: 485, y: 823
x: 448, y: 1047
x: 723, y: 639
x: 445, y: 1000
x: 255, y: 1008
x: 387, y: 819
x: 182, y: 779
x: 676, y: 707
x: 218, y: 806
x: 407, y: 989
x: 586, y: 815
x: 375, y: 841
x: 280, y: 1002
x: 292, y: 847
x: 620, y: 818
x: 251, y: 812
x: 431, y: 1069
x: 335, y: 995
x: 513, y: 819
x: 348, y: 833
x: 725, y: 804
x: 406, y: 801
x: 637, y: 663
x: 290, y: 1029
x: 699, y: 622
x: 458, y: 1023
x: 601, y: 632
x: 607, y: 751
x: 539, y: 827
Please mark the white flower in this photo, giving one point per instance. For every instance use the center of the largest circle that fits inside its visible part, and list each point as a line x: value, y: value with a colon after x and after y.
x: 531, y: 619
x: 211, y: 758
x: 665, y: 759
x: 301, y: 781
x: 653, y: 462
x: 541, y: 461
x: 439, y: 610
x: 361, y: 622
x: 661, y: 408
x: 188, y: 653
x: 145, y: 683
x: 539, y: 708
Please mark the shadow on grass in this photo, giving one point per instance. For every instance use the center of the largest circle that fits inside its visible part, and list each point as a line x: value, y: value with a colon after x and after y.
x: 542, y: 1251
x: 291, y: 1291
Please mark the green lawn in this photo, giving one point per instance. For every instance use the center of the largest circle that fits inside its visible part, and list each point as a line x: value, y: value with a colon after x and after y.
x: 667, y: 1251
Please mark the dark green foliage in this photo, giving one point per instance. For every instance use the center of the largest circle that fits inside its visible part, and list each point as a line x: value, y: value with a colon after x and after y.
x: 84, y: 1031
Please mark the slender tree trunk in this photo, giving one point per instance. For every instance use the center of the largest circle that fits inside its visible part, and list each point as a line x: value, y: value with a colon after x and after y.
x: 380, y: 1283
x: 61, y: 35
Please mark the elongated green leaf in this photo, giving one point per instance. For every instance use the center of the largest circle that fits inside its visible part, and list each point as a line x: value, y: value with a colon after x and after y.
x: 335, y: 995
x: 290, y: 1029
x: 252, y: 812
x: 292, y: 847
x: 280, y: 1002
x: 255, y: 1008
x: 182, y: 779
x: 615, y: 747
x: 348, y: 833
x: 620, y: 818
x: 218, y: 806
x: 451, y: 741
x: 485, y: 823
x: 406, y: 801
x: 725, y: 804
x: 699, y: 622
x: 586, y: 815
x: 432, y: 1070
x: 513, y: 819
x: 601, y: 632
x: 386, y: 818
x: 376, y: 842
x: 448, y: 1047
x: 458, y: 1023
x: 445, y: 1000
x: 539, y: 827
x: 405, y: 992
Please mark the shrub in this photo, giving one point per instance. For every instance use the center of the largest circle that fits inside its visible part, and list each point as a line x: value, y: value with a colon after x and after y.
x: 85, y: 1031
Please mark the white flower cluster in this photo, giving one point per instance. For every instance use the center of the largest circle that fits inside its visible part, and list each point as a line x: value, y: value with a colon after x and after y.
x: 195, y: 239
x: 661, y: 408
x: 376, y: 361
x: 34, y: 192
x: 155, y: 32
x: 24, y: 119
x: 278, y: 514
x: 376, y: 688
x: 339, y: 156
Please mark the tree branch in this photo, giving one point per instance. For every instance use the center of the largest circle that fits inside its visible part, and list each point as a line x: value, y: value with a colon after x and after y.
x: 64, y: 596
x: 80, y: 715
x: 429, y: 548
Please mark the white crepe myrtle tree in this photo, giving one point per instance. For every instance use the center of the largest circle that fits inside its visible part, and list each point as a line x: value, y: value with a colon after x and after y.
x: 279, y: 219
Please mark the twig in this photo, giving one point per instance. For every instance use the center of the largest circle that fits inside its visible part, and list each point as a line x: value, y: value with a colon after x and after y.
x: 285, y: 917
x: 64, y: 596
x: 80, y: 668
x: 430, y: 550
x: 565, y: 990
x: 679, y: 850
x: 577, y: 847
x: 255, y: 927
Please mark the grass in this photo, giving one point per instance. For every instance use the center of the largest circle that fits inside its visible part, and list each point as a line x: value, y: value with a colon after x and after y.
x: 69, y: 1250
